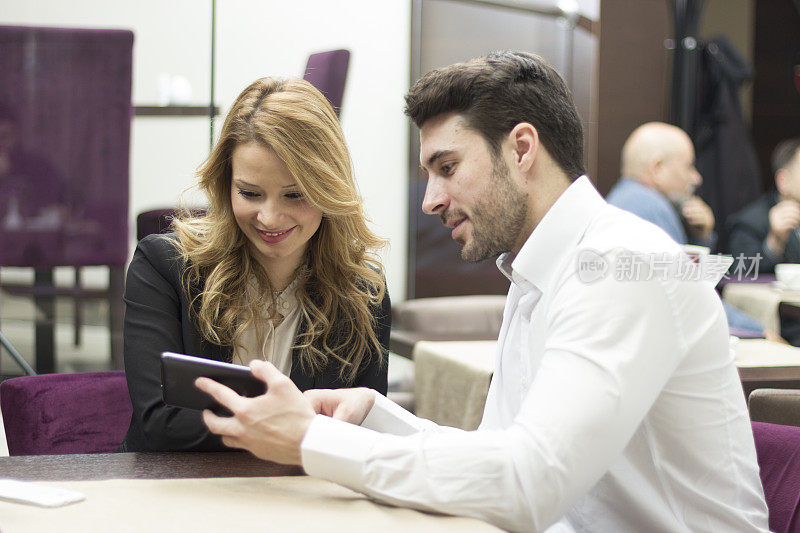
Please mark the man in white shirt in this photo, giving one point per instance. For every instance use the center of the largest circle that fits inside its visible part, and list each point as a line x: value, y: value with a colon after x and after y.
x: 614, y: 405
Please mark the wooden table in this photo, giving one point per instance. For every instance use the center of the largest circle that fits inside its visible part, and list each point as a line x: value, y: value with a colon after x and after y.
x: 165, y: 465
x: 776, y: 377
x: 765, y: 364
x: 201, y: 492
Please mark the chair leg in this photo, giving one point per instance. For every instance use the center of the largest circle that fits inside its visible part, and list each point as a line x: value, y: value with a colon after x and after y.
x: 1, y: 322
x: 77, y: 306
x: 116, y: 314
x: 45, y: 342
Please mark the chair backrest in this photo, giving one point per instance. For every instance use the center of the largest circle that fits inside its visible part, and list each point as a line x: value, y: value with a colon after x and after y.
x: 66, y: 100
x: 327, y: 71
x: 65, y: 413
x: 159, y: 220
x: 153, y: 221
x: 477, y: 314
x: 776, y: 406
x: 778, y: 449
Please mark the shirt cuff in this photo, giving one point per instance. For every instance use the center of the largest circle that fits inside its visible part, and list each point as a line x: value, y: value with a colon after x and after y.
x: 336, y: 451
x: 388, y: 417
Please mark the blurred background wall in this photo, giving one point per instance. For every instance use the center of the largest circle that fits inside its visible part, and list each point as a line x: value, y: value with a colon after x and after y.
x: 255, y: 38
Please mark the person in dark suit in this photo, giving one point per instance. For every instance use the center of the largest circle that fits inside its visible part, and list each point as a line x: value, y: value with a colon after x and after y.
x: 769, y: 226
x: 280, y: 268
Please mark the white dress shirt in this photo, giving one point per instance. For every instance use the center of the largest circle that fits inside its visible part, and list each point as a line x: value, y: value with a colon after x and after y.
x: 615, y: 405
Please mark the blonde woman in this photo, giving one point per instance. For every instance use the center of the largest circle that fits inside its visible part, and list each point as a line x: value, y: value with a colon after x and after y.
x: 280, y: 268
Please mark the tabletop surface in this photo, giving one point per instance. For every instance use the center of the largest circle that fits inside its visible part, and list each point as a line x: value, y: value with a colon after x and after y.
x: 201, y: 492
x: 214, y: 505
x: 162, y: 465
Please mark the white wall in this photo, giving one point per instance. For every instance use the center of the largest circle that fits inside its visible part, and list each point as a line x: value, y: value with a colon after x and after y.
x: 258, y: 38
x: 275, y: 38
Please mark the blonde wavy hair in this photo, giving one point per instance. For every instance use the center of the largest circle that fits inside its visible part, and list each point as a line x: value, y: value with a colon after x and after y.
x: 342, y: 282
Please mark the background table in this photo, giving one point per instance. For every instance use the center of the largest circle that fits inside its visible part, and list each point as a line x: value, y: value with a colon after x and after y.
x: 233, y: 492
x: 765, y: 364
x: 452, y: 378
x: 760, y: 301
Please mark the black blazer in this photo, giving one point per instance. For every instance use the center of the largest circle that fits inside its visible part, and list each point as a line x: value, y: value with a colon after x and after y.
x: 157, y: 319
x: 748, y: 232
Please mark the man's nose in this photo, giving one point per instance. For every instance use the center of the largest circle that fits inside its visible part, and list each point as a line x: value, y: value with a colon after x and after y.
x: 436, y: 200
x: 697, y: 179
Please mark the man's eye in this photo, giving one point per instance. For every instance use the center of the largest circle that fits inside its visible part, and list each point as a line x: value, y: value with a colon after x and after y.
x: 247, y: 194
x: 448, y: 168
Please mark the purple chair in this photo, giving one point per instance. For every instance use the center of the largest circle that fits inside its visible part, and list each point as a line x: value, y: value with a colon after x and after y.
x: 65, y: 413
x: 778, y: 450
x: 153, y: 221
x: 327, y: 71
x: 159, y: 220
x: 65, y: 114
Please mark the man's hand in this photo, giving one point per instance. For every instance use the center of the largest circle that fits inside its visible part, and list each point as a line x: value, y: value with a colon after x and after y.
x: 699, y: 217
x: 271, y: 426
x: 348, y: 405
x: 783, y: 218
x: 774, y: 337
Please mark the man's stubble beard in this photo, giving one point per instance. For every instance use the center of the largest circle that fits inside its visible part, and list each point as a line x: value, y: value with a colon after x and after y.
x: 498, y: 220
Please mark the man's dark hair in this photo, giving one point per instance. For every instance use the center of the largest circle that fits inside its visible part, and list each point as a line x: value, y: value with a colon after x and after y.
x: 783, y: 153
x: 495, y: 93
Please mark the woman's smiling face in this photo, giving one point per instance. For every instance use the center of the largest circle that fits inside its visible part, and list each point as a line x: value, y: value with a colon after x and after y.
x: 270, y: 209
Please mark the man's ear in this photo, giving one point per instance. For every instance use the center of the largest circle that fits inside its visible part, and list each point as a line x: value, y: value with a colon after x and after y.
x: 655, y: 169
x: 524, y: 142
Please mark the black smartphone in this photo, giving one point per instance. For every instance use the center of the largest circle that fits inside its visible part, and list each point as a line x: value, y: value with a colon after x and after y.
x: 179, y: 371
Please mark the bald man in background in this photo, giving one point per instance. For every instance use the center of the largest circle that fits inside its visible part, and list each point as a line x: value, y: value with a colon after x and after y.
x: 658, y: 184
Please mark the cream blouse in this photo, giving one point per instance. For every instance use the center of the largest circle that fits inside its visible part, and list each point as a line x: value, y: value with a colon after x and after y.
x: 278, y: 334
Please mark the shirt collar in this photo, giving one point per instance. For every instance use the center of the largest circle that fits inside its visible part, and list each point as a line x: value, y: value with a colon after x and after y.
x: 285, y: 300
x: 554, y: 237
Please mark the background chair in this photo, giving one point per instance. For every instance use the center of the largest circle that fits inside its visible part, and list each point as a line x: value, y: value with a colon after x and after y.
x: 451, y: 318
x: 65, y: 97
x: 15, y: 355
x: 447, y: 318
x: 159, y: 220
x: 775, y: 406
x: 459, y: 316
x: 153, y: 221
x: 327, y: 71
x: 778, y: 450
x: 65, y: 413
